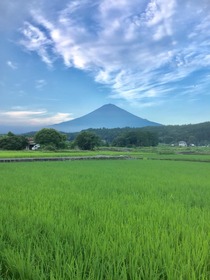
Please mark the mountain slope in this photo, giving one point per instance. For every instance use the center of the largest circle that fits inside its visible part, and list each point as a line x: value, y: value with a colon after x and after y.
x: 107, y: 116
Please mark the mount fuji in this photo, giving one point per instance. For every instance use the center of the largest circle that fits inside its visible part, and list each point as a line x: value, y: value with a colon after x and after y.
x: 107, y: 116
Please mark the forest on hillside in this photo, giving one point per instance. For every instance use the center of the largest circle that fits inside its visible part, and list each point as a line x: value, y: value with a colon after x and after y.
x: 197, y: 134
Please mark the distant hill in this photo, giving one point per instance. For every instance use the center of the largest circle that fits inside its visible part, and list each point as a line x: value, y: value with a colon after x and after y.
x: 4, y: 129
x: 107, y: 116
x: 197, y: 134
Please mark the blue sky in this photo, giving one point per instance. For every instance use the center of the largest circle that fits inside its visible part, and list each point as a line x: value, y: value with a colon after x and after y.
x: 62, y: 59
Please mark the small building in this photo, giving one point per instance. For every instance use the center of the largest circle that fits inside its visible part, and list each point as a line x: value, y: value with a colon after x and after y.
x: 182, y: 144
x: 31, y: 143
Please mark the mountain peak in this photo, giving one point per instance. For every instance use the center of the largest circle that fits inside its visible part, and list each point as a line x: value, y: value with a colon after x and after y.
x: 108, y: 106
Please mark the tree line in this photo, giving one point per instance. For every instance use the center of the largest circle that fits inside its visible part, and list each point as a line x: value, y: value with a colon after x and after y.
x: 50, y: 139
x: 198, y: 134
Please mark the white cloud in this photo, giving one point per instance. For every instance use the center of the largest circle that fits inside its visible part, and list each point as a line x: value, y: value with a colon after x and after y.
x: 40, y: 84
x: 21, y: 114
x: 54, y: 119
x: 36, y: 40
x: 139, y: 49
x: 12, y: 65
x: 33, y: 118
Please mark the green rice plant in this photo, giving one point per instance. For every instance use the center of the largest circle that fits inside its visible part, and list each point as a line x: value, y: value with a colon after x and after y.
x: 109, y: 220
x: 161, y: 152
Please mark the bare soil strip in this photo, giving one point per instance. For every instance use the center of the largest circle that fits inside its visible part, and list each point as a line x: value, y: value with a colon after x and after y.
x: 61, y: 158
x: 4, y: 160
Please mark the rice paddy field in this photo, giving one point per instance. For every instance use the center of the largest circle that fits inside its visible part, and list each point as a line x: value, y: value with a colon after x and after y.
x: 105, y: 220
x: 201, y: 154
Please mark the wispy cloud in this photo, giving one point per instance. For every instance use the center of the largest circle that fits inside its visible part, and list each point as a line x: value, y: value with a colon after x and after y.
x: 33, y: 118
x: 12, y: 65
x: 142, y: 50
x: 22, y: 114
x: 54, y: 119
x: 40, y: 84
x: 36, y: 40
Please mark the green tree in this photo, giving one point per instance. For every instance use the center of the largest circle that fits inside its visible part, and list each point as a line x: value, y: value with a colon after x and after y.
x: 87, y: 140
x: 13, y: 142
x: 136, y: 138
x: 10, y: 134
x: 119, y: 141
x: 50, y: 137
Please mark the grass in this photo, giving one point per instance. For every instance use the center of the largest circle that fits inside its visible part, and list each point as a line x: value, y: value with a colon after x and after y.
x: 111, y: 220
x: 160, y: 152
x: 68, y: 153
